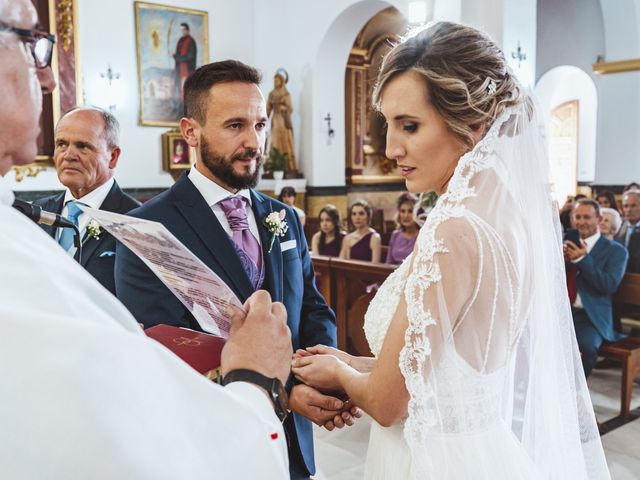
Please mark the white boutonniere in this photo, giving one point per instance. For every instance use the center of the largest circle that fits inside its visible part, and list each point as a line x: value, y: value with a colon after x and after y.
x: 94, y: 230
x: 276, y: 225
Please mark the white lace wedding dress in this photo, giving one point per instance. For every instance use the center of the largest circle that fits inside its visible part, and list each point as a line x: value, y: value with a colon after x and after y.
x: 490, y: 360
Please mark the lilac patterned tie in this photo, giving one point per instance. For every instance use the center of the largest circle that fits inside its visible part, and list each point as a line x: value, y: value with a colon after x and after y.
x: 246, y: 244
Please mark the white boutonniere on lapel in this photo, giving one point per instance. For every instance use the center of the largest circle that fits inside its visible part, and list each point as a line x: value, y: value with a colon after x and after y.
x: 94, y: 230
x: 276, y: 225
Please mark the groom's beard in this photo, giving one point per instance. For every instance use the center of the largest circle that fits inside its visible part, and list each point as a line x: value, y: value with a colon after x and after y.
x: 222, y: 167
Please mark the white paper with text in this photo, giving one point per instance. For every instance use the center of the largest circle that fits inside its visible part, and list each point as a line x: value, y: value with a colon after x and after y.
x: 207, y: 297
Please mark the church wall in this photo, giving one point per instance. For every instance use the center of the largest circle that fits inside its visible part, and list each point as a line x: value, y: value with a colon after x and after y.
x: 618, y: 152
x: 570, y: 32
x: 576, y: 32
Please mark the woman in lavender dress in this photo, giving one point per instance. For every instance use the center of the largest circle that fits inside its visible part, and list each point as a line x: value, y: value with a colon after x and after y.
x: 364, y: 242
x: 328, y: 241
x: 404, y: 237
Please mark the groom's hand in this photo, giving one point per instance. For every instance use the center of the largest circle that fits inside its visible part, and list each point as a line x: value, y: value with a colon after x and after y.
x: 317, y: 407
x: 347, y: 417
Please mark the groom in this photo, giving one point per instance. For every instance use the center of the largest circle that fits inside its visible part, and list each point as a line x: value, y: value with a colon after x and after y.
x: 215, y: 212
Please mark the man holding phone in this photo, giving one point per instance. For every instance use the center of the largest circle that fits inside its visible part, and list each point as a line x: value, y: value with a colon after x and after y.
x: 595, y: 267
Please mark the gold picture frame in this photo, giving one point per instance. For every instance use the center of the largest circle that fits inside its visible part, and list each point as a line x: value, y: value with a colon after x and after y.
x: 166, y: 54
x: 177, y: 155
x: 61, y: 19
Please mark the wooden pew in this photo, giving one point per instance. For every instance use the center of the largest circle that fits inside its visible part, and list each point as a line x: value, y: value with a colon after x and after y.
x: 353, y: 293
x: 627, y: 350
x: 322, y: 267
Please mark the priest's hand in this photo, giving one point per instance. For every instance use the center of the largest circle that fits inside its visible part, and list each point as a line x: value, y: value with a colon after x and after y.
x: 259, y: 340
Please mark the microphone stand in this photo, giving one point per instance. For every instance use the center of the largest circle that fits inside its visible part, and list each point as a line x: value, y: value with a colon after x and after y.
x: 77, y: 242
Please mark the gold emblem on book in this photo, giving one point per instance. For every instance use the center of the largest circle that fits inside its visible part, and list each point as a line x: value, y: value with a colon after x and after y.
x: 189, y: 342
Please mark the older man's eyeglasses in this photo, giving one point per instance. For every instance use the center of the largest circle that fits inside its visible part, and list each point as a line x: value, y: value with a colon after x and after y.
x: 40, y: 43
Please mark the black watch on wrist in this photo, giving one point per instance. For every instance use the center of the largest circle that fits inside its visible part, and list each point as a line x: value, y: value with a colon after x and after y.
x: 273, y: 386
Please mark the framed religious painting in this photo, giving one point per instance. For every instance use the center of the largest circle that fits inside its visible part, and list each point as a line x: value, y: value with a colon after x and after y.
x: 60, y: 18
x: 171, y: 43
x: 177, y: 156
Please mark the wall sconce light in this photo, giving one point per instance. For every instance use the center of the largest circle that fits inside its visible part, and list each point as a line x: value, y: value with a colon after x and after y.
x: 111, y: 94
x: 417, y: 12
x: 519, y: 55
x: 330, y: 131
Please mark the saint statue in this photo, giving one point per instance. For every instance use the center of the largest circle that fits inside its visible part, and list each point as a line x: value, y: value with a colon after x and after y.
x: 279, y: 110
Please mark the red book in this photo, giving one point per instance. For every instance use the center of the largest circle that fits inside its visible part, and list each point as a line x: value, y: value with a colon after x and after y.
x: 200, y: 350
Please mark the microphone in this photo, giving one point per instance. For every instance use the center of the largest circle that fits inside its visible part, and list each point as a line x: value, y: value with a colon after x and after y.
x: 38, y: 215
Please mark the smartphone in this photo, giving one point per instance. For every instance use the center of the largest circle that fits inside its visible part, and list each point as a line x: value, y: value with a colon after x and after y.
x: 574, y: 236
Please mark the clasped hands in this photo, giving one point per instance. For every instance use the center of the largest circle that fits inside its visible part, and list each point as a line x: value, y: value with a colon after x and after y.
x: 317, y: 399
x: 260, y: 340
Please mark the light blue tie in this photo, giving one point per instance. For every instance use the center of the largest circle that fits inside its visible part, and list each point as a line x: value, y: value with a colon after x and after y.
x: 630, y: 231
x: 73, y: 212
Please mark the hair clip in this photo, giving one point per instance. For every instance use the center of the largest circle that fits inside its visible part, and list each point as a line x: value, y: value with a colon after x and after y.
x: 492, y: 87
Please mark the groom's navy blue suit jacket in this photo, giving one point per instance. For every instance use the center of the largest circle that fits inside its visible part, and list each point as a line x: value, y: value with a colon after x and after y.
x: 289, y: 278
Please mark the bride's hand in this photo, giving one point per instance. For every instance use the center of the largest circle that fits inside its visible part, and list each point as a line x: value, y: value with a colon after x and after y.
x: 324, y: 350
x: 319, y: 371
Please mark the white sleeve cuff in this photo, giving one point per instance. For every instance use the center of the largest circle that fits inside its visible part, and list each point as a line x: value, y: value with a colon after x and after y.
x: 257, y: 397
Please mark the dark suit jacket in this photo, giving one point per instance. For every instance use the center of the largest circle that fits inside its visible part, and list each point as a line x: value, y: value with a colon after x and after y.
x: 98, y: 255
x: 289, y: 277
x: 600, y: 274
x: 633, y: 266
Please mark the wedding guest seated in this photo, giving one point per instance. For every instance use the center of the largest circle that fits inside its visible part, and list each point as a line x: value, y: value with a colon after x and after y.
x: 328, y: 241
x: 607, y: 199
x: 288, y: 196
x: 363, y: 243
x: 404, y: 236
x: 610, y: 222
x: 594, y: 270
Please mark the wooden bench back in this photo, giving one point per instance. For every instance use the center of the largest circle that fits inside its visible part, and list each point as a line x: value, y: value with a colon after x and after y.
x: 348, y: 287
x: 628, y: 292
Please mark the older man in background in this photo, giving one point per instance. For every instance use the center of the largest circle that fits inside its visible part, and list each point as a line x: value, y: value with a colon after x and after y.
x: 85, y: 394
x: 86, y: 154
x: 629, y: 233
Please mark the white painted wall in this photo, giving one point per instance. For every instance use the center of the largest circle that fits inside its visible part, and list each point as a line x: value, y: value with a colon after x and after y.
x: 561, y: 85
x: 619, y: 114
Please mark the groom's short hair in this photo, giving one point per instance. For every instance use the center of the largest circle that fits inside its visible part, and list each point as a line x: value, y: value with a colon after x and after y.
x: 199, y: 83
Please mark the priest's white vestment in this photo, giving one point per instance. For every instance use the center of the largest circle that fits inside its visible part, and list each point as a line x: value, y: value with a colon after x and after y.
x: 85, y: 394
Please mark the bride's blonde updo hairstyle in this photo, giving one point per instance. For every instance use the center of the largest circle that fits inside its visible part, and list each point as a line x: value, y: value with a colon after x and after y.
x: 468, y: 80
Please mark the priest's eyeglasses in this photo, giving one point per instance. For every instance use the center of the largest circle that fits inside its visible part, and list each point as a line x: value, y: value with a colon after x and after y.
x: 40, y: 43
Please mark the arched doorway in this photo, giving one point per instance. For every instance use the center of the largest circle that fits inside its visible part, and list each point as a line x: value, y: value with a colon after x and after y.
x: 365, y: 132
x: 569, y: 107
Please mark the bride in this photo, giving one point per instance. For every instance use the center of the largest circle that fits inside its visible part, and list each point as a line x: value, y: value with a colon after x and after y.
x: 476, y: 372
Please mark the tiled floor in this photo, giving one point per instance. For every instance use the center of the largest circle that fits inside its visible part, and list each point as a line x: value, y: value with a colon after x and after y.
x: 340, y: 454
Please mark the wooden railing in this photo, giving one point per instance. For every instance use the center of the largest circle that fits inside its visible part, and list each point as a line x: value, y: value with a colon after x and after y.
x: 348, y: 286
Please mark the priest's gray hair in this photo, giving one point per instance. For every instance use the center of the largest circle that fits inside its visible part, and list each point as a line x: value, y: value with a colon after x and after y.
x: 111, y: 131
